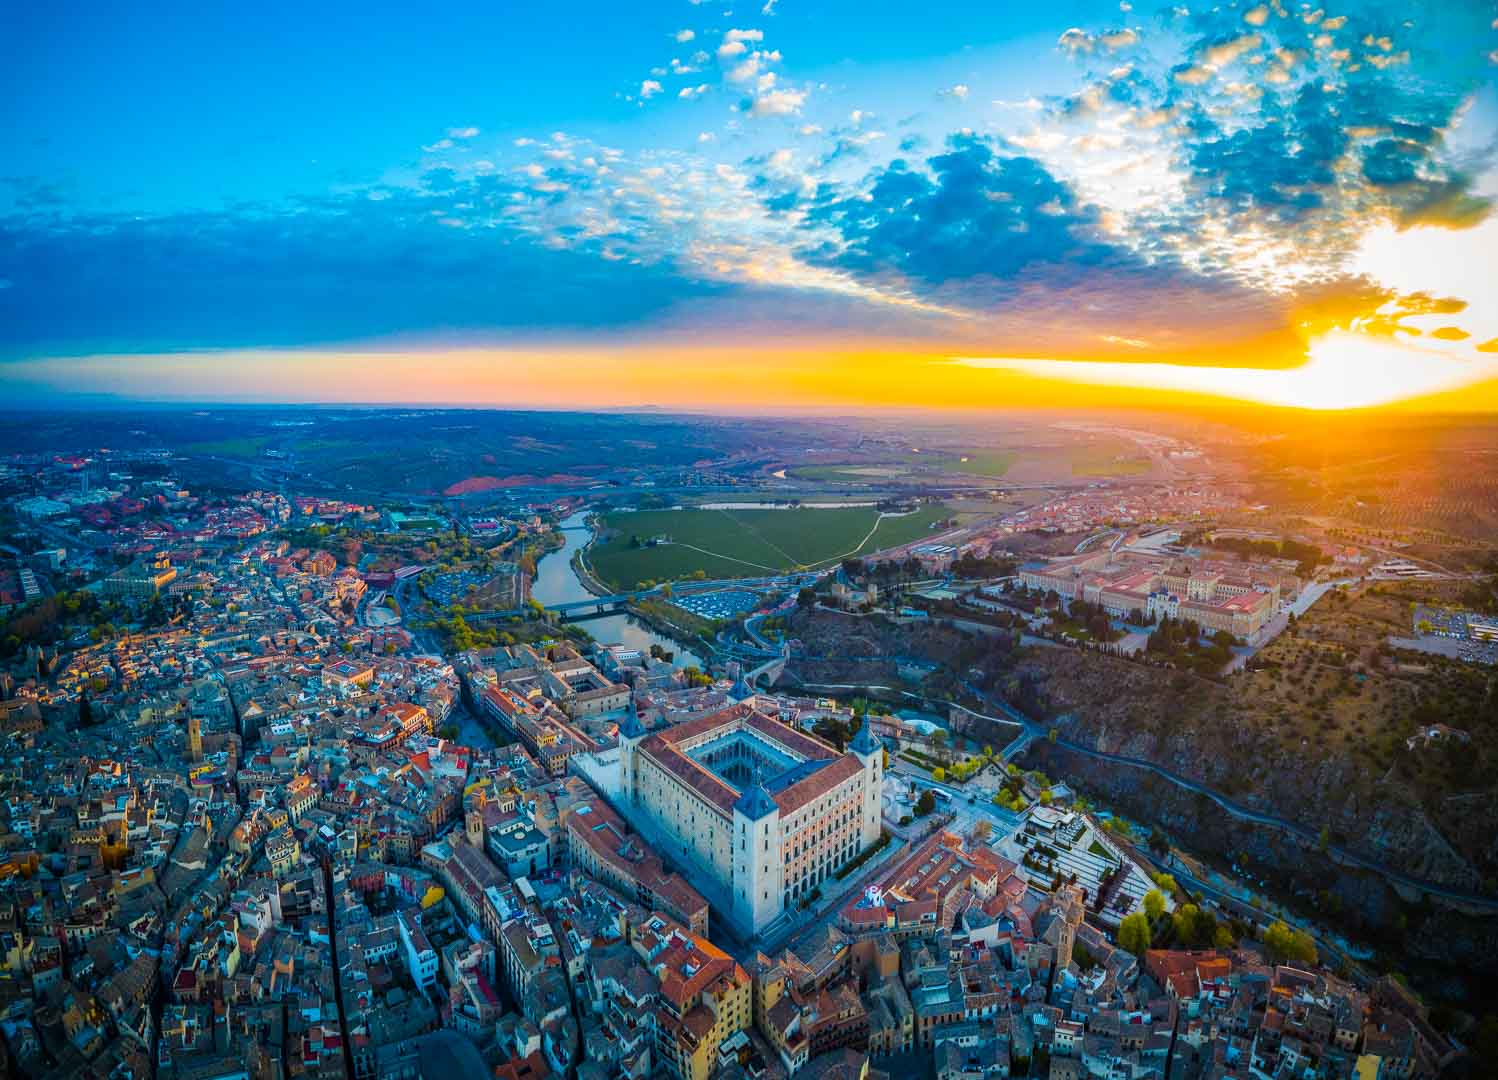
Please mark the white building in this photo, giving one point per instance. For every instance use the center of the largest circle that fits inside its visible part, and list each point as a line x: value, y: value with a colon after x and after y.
x: 769, y: 812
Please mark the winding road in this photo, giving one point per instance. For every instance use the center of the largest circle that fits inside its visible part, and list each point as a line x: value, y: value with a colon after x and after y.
x: 1258, y: 817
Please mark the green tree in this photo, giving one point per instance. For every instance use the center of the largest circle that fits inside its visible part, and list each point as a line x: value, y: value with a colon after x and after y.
x: 1154, y: 905
x: 1134, y: 933
x: 925, y: 804
x: 1287, y: 945
x: 938, y: 774
x: 1167, y: 884
x: 1194, y: 927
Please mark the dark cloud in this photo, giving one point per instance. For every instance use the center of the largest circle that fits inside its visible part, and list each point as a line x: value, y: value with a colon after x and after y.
x: 1324, y: 97
x: 1392, y: 161
x: 978, y: 213
x: 1287, y: 161
x: 331, y: 270
x: 997, y: 235
x: 1449, y: 204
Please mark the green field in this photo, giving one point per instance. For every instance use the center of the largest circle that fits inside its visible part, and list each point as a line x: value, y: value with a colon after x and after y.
x: 991, y: 463
x: 847, y: 474
x: 981, y: 463
x: 1108, y: 460
x: 744, y: 543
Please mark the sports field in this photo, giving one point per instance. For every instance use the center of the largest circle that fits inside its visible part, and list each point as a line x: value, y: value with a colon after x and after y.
x: 743, y: 543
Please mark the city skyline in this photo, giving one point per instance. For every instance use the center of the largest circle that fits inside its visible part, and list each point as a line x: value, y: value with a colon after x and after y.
x: 756, y: 206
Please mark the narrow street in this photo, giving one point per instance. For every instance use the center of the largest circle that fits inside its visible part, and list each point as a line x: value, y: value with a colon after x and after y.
x: 343, y: 1034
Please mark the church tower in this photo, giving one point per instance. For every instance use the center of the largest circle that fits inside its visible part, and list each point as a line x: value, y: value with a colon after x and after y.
x: 1068, y: 918
x: 195, y: 739
x: 870, y: 752
x: 631, y: 731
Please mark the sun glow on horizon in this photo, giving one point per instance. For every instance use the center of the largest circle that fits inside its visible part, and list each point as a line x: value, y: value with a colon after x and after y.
x: 1415, y: 355
x: 1345, y: 370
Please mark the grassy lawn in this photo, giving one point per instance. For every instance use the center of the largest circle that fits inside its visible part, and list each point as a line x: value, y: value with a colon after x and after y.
x: 743, y: 543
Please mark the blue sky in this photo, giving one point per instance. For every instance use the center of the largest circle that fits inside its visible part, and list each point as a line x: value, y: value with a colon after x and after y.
x: 1181, y: 184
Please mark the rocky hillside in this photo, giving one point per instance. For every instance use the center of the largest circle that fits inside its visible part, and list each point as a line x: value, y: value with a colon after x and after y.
x: 1208, y: 732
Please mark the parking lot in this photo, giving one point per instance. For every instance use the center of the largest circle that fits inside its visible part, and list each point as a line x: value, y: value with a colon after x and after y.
x: 720, y: 604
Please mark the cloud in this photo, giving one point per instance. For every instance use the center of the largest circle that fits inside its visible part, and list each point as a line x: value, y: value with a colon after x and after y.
x: 1114, y: 40
x: 648, y: 89
x: 1220, y: 54
x: 736, y: 43
x: 1078, y: 42
x: 327, y: 270
x: 462, y: 133
x: 778, y: 103
x: 996, y: 235
x: 1257, y: 16
x: 959, y: 92
x: 689, y: 92
x: 1075, y: 41
x: 684, y: 36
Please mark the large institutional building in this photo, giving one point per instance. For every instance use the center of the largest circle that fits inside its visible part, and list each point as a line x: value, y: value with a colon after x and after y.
x: 1240, y: 599
x: 770, y: 812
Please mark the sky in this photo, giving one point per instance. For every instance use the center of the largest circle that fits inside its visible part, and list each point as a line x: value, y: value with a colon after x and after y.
x: 775, y: 204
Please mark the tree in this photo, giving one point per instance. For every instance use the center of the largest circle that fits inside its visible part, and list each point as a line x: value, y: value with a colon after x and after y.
x: 1324, y: 839
x: 925, y: 804
x: 1167, y: 884
x: 1134, y: 933
x: 806, y: 598
x: 939, y: 743
x: 1194, y: 927
x: 1286, y: 945
x: 1154, y: 905
x: 938, y: 774
x: 981, y: 830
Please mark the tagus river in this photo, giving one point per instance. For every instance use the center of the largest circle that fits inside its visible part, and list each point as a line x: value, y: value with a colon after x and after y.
x: 557, y: 583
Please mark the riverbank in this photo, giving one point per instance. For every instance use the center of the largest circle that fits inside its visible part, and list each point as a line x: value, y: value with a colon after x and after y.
x: 564, y: 576
x: 655, y: 615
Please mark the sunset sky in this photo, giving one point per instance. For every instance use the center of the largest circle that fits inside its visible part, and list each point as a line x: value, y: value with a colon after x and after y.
x: 778, y: 204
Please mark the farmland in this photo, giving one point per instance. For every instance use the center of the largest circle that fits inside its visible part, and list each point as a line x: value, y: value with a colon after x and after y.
x: 982, y: 463
x: 989, y: 463
x: 743, y: 543
x: 1111, y: 459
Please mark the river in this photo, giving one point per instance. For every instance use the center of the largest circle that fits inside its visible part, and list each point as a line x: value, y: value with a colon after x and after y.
x: 557, y: 583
